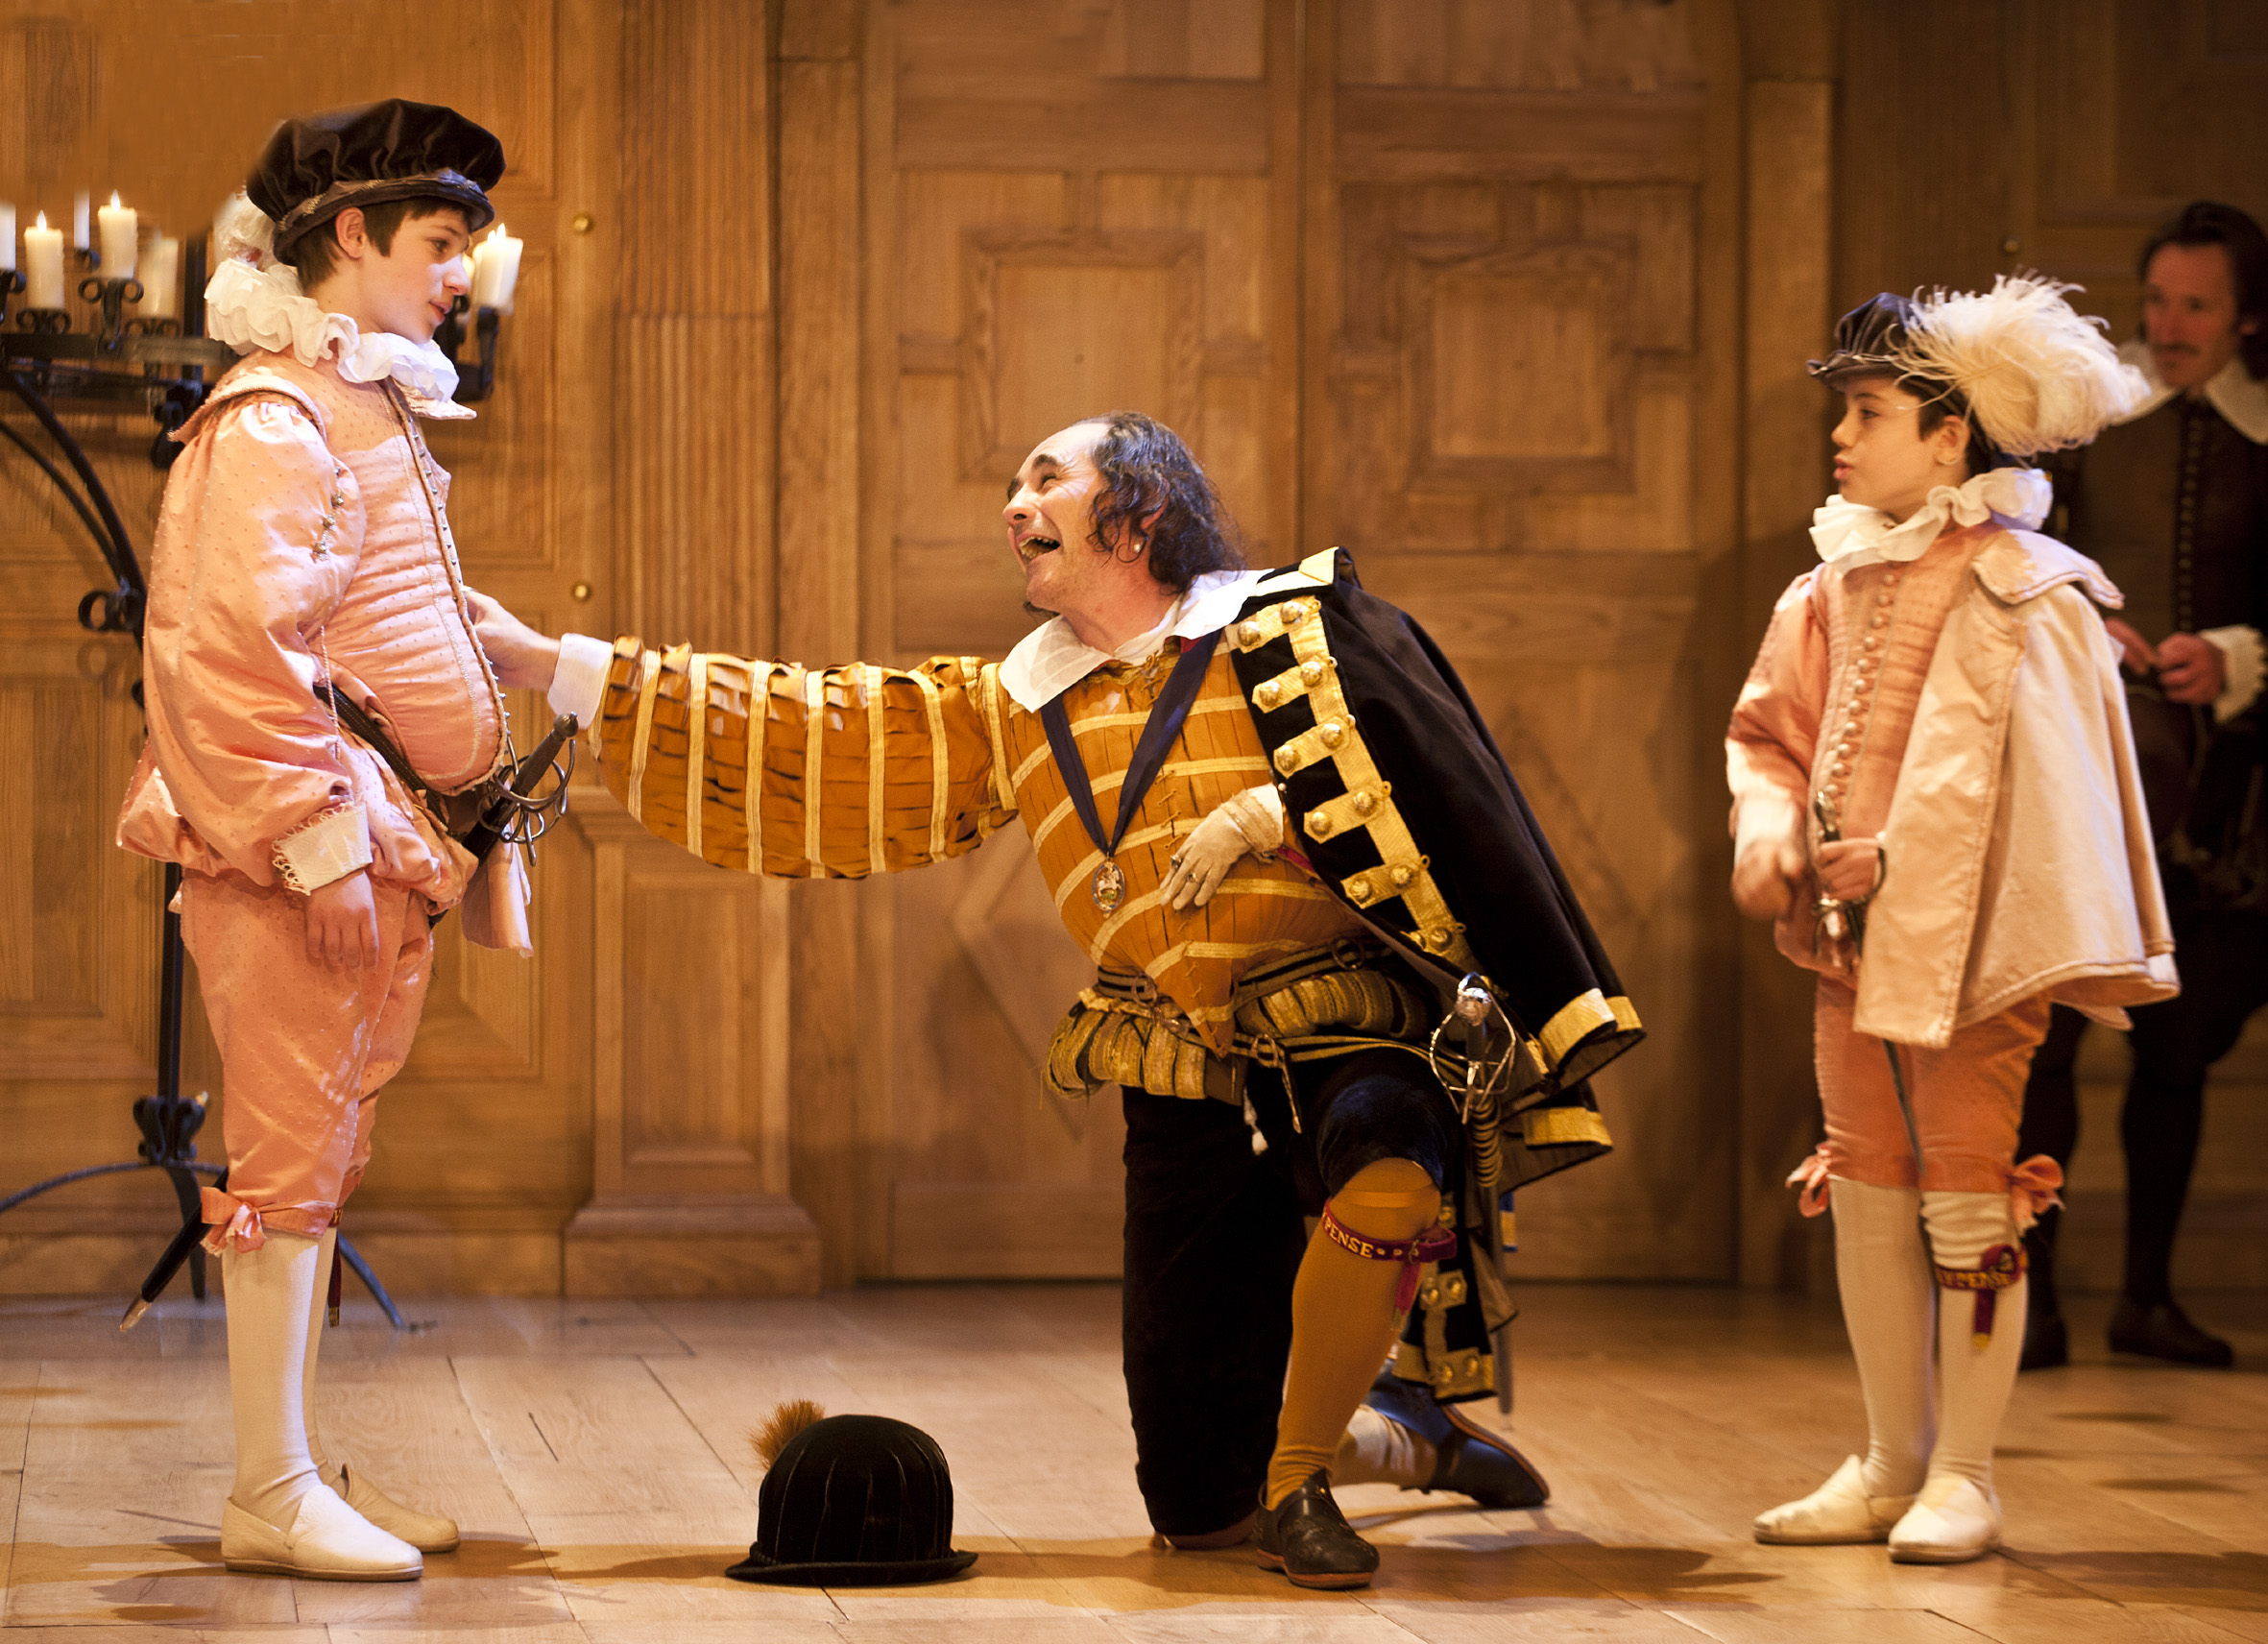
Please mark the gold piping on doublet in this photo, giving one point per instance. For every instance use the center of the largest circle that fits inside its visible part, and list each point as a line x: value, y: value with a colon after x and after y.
x: 696, y: 744
x: 1562, y: 1128
x: 649, y: 685
x: 1574, y: 1022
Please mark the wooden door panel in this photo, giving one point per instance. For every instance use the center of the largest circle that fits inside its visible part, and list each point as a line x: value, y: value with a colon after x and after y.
x: 1124, y: 244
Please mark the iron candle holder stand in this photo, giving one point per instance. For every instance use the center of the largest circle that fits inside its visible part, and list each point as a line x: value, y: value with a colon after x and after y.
x: 110, y: 296
x: 475, y: 381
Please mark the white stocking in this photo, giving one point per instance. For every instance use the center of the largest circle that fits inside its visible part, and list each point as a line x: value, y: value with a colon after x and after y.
x: 268, y: 1293
x: 318, y: 1311
x: 1889, y: 1308
x: 1973, y: 1382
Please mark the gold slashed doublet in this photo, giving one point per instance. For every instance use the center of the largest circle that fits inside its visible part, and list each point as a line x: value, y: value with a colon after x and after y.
x: 920, y: 764
x: 864, y: 769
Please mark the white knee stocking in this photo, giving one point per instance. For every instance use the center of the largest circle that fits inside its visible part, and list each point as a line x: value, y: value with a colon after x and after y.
x: 268, y: 1293
x: 318, y: 1311
x: 1889, y: 1309
x: 1973, y: 1382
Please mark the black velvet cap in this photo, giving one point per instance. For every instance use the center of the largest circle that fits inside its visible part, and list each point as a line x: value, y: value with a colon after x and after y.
x: 317, y: 165
x: 854, y: 1501
x: 1869, y: 341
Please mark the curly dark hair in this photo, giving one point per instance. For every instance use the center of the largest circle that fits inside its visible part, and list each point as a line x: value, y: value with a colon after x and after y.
x: 1147, y: 469
x: 2210, y: 223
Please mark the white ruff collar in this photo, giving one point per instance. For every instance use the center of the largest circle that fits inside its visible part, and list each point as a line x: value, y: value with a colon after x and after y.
x: 1851, y: 535
x: 251, y: 309
x: 1050, y: 659
x: 2233, y: 391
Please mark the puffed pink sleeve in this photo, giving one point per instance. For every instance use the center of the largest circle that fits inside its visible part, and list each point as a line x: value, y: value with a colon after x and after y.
x: 257, y: 542
x: 1774, y: 729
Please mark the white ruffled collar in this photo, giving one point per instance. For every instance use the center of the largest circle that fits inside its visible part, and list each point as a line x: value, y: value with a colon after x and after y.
x: 250, y: 308
x: 1052, y: 658
x: 1851, y: 534
x: 2233, y: 391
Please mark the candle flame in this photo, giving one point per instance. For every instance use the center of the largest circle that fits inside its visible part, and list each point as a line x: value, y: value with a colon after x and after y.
x: 497, y: 232
x: 114, y: 200
x: 42, y: 222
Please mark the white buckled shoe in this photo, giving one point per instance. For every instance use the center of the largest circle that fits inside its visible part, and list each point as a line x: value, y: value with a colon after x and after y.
x: 1838, y: 1511
x: 1951, y: 1522
x: 327, y: 1542
x: 424, y: 1531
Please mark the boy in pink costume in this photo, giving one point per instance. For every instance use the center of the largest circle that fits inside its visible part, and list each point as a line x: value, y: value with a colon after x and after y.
x: 1935, y: 797
x: 303, y: 547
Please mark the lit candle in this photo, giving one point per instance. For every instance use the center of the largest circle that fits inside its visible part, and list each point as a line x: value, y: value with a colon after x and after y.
x: 495, y: 271
x: 7, y: 237
x: 120, y: 228
x: 78, y: 220
x: 160, y: 275
x: 44, y: 265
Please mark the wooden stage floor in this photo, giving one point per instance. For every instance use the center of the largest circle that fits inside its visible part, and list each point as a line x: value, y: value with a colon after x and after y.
x: 596, y: 1455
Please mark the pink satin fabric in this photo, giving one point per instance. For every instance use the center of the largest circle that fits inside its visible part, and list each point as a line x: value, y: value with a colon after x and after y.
x: 1968, y: 1098
x: 304, y: 1048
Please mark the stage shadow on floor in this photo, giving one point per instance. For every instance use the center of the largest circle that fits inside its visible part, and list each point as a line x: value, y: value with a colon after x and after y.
x: 2195, y: 1581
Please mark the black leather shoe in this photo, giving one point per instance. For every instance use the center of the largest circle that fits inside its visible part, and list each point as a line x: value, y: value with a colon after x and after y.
x: 1467, y: 1459
x: 1306, y: 1537
x: 2164, y: 1332
x: 2047, y: 1344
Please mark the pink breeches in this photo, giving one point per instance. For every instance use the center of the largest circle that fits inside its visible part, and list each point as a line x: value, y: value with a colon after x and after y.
x: 304, y: 1048
x: 1967, y: 1097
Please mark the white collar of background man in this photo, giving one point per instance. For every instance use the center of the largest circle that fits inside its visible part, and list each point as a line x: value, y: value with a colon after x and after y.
x: 1050, y: 659
x: 2233, y: 391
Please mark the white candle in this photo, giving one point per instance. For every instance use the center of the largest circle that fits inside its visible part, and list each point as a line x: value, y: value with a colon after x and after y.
x: 120, y: 228
x: 44, y: 265
x: 78, y: 220
x: 161, y: 271
x: 495, y: 272
x: 7, y: 237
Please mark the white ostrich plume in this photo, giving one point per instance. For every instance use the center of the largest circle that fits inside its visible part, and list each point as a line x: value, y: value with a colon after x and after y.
x: 2037, y: 375
x: 243, y: 233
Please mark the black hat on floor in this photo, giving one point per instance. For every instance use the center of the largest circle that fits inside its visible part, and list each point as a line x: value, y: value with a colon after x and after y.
x: 854, y: 1501
x: 318, y: 165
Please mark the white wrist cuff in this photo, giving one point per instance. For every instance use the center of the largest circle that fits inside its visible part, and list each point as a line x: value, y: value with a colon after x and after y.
x: 327, y: 848
x: 1258, y: 815
x: 2241, y: 669
x: 581, y: 682
x: 1759, y: 817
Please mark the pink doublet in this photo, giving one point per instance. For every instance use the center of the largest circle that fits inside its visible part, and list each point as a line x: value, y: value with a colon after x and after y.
x: 302, y: 536
x: 1962, y: 707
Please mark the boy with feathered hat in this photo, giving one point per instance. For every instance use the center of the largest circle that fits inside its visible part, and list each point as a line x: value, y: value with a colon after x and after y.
x: 303, y: 560
x: 1934, y: 798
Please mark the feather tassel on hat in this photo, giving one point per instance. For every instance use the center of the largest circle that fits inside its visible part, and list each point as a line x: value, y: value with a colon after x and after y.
x: 787, y: 1420
x: 2037, y: 375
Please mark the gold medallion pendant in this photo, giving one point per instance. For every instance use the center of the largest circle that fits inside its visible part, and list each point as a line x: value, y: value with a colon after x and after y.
x: 1108, y: 887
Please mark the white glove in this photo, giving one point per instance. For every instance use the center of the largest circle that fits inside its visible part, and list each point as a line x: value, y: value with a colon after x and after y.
x: 1252, y: 820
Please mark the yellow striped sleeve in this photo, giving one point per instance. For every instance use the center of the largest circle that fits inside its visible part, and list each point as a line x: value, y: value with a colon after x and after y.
x: 804, y: 773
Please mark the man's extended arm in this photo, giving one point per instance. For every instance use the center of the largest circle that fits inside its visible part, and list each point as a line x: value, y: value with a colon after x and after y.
x: 862, y: 770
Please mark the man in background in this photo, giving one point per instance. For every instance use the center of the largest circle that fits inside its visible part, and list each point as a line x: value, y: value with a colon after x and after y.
x: 2173, y: 504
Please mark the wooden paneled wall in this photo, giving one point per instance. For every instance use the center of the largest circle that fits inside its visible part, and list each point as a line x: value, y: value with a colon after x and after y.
x: 1509, y: 296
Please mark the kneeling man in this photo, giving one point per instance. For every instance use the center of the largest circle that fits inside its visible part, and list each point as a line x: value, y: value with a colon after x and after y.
x: 1268, y: 996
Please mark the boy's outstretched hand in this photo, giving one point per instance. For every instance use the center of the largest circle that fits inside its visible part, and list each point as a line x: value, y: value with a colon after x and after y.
x: 524, y: 659
x: 343, y: 923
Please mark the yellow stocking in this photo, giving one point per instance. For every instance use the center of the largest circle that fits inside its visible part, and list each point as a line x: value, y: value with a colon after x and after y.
x: 1341, y: 1315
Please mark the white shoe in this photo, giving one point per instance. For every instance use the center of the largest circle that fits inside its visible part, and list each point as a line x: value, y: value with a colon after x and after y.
x: 327, y: 1542
x: 1951, y: 1522
x: 1838, y: 1511
x: 424, y: 1531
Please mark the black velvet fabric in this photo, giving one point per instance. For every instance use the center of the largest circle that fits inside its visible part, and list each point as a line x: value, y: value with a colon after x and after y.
x: 368, y: 155
x: 1461, y: 801
x: 854, y: 1501
x: 1214, y: 1234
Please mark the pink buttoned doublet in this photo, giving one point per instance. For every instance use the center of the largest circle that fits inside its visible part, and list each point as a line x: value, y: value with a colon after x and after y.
x: 1938, y: 741
x: 302, y: 536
